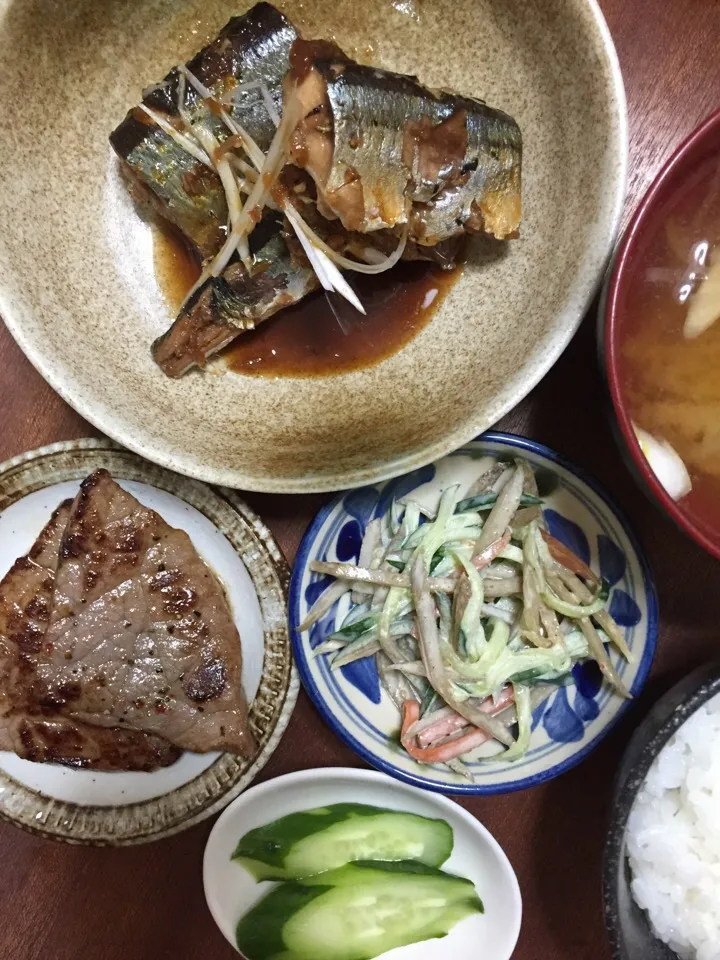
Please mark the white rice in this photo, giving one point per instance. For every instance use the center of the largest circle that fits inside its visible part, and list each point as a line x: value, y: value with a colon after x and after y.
x: 673, y: 838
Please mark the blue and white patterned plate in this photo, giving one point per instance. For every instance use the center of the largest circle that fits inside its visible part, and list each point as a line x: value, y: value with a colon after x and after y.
x: 574, y: 719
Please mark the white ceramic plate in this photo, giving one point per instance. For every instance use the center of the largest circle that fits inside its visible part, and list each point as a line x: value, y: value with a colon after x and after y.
x: 85, y: 805
x: 231, y: 891
x: 572, y: 721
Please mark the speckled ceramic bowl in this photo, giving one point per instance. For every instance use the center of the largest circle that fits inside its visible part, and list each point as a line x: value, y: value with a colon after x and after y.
x: 629, y: 930
x: 77, y: 287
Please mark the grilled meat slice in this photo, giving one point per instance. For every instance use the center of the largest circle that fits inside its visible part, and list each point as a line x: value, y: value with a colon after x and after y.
x: 29, y: 723
x: 140, y: 630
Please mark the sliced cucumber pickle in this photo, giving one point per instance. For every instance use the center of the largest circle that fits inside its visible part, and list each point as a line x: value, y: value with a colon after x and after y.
x: 368, y: 871
x: 355, y: 913
x: 314, y: 841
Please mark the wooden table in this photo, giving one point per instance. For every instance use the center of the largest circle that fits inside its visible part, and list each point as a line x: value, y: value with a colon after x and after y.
x: 60, y: 902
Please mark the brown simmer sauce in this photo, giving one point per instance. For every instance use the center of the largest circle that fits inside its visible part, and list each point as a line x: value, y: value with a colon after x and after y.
x: 176, y: 269
x: 321, y: 335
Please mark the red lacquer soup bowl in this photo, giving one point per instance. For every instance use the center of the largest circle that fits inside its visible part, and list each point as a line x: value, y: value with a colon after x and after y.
x: 660, y: 379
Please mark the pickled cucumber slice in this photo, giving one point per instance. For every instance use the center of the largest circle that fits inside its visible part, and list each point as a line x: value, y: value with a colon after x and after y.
x: 368, y: 871
x: 314, y: 841
x: 355, y: 913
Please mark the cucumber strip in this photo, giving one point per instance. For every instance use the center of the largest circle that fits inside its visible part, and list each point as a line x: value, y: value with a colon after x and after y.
x: 447, y: 566
x: 412, y: 516
x: 437, y: 529
x: 350, y: 647
x: 438, y: 557
x: 524, y: 715
x: 479, y: 679
x: 444, y: 606
x: 431, y: 702
x: 330, y: 645
x: 395, y: 517
x: 471, y: 624
x: 355, y: 613
x: 432, y: 535
x: 415, y: 538
x: 497, y: 644
x: 576, y: 610
x: 484, y: 501
x: 512, y: 553
x: 367, y: 643
x: 355, y: 913
x: 363, y: 646
x: 531, y: 677
x: 351, y: 630
x: 313, y: 841
x: 388, y: 615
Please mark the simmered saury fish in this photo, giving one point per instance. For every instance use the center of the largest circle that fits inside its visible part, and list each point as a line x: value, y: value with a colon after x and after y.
x: 384, y: 150
x: 354, y: 168
x: 244, y: 67
x: 226, y: 306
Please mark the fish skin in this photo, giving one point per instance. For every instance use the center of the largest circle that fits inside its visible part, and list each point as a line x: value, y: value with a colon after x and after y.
x: 478, y: 190
x: 253, y: 47
x: 490, y: 201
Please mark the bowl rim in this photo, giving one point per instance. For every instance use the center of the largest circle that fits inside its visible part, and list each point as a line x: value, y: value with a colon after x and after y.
x: 512, y: 441
x: 609, y: 334
x: 297, y: 778
x: 635, y: 764
x: 587, y: 280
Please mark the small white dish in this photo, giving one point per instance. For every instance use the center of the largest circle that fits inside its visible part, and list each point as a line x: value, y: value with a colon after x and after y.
x: 231, y: 891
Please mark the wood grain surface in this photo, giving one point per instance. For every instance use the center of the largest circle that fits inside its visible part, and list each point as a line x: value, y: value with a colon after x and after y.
x: 59, y: 902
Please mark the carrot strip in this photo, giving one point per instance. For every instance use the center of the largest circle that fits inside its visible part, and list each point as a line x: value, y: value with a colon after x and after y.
x: 486, y: 556
x: 445, y: 751
x: 566, y: 558
x: 446, y: 726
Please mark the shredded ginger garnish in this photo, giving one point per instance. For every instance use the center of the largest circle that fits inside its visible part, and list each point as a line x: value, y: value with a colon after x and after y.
x: 257, y: 180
